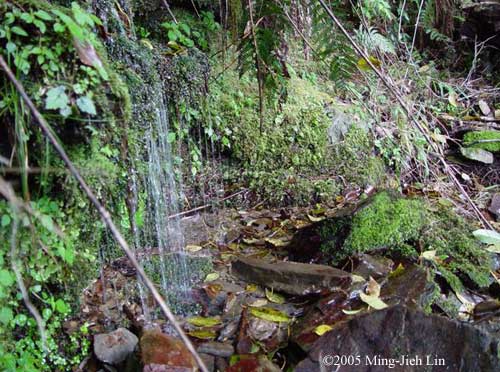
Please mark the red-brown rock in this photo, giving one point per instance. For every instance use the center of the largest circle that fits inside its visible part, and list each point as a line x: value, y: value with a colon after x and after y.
x: 161, y: 352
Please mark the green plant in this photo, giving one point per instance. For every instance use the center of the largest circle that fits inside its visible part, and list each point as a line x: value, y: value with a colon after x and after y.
x: 41, y: 251
x: 179, y: 34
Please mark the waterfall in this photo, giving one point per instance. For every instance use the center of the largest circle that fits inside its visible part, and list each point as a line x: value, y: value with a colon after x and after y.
x: 159, y: 241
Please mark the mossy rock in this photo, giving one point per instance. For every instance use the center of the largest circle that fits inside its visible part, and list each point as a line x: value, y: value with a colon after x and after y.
x: 400, y: 227
x: 383, y: 221
x: 488, y: 140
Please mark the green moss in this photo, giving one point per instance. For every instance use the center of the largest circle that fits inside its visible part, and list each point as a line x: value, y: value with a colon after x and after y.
x: 451, y: 236
x: 488, y: 140
x: 355, y: 160
x: 386, y: 222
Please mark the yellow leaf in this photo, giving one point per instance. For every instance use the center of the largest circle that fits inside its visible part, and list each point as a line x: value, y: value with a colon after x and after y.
x: 203, y: 334
x: 211, y: 277
x: 373, y: 301
x: 357, y: 278
x: 315, y: 219
x: 147, y: 43
x: 251, y: 287
x: 363, y: 64
x: 429, y: 255
x: 274, y: 297
x: 278, y: 242
x: 258, y: 302
x: 269, y: 314
x: 452, y: 99
x: 397, y: 271
x: 193, y: 248
x: 322, y: 329
x: 200, y: 321
x: 373, y: 288
x: 351, y: 312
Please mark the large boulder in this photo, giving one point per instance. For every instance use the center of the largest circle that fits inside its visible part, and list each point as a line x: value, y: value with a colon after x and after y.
x: 290, y: 277
x: 400, y: 336
x: 384, y: 221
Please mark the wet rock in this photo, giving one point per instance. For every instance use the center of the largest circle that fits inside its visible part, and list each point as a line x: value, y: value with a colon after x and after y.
x: 412, y: 287
x: 290, y: 277
x: 398, y: 332
x: 221, y: 364
x: 494, y: 207
x: 209, y: 361
x: 159, y: 349
x: 253, y: 363
x: 221, y: 349
x: 376, y: 267
x: 114, y: 347
x: 269, y: 335
x: 326, y: 311
x: 229, y: 329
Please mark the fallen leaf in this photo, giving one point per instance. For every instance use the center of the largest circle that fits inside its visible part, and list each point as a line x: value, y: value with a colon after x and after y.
x: 373, y: 288
x: 428, y: 255
x: 269, y: 314
x: 203, y: 334
x: 357, y: 278
x: 487, y: 236
x: 397, y: 271
x: 483, y: 106
x: 278, y: 242
x: 373, y: 301
x: 452, y: 99
x: 364, y: 65
x: 193, y: 248
x: 200, y: 321
x: 211, y: 277
x: 274, y: 297
x: 251, y: 287
x: 315, y: 219
x: 477, y: 154
x: 259, y: 302
x: 253, y: 241
x: 351, y: 312
x: 322, y: 329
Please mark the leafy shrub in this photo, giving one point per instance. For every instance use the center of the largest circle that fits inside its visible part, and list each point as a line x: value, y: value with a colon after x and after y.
x: 44, y: 252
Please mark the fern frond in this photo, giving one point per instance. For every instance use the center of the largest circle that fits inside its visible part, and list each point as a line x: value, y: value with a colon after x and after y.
x: 373, y: 41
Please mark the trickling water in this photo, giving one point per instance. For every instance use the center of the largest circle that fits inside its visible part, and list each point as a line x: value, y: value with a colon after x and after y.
x: 160, y: 237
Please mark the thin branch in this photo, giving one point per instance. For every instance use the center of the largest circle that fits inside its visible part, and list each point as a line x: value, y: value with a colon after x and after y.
x: 16, y: 205
x: 105, y: 215
x: 202, y: 207
x: 398, y: 95
x: 259, y: 68
x: 169, y: 11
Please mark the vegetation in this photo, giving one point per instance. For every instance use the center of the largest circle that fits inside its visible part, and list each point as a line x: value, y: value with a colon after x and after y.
x: 265, y: 97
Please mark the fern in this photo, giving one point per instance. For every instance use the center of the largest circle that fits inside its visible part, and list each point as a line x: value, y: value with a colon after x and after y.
x: 373, y: 41
x: 269, y: 26
x: 332, y: 46
x: 429, y: 22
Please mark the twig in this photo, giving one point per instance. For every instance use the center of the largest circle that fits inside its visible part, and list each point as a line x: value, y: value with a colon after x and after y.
x: 259, y: 68
x: 398, y: 95
x: 169, y: 10
x: 106, y: 217
x: 202, y: 207
x: 401, y: 19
